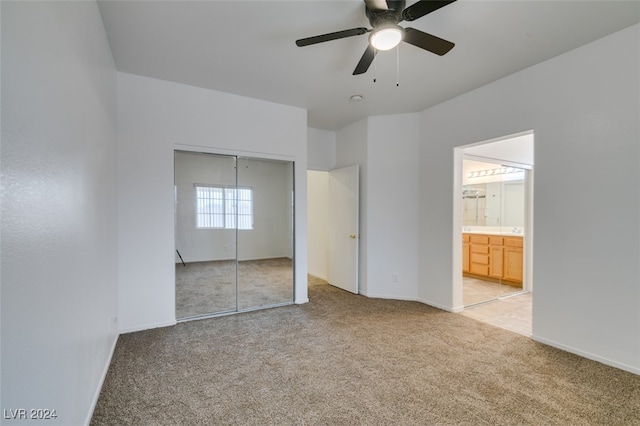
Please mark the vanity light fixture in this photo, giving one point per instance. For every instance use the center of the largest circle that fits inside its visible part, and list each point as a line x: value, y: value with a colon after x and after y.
x: 493, y: 172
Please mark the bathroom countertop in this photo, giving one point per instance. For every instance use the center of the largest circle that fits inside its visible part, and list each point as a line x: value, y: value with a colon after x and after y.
x: 493, y: 232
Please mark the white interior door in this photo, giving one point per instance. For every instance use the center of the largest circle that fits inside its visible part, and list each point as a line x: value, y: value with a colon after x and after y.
x: 344, y: 231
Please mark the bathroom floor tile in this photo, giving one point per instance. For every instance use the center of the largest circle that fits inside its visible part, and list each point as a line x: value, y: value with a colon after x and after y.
x: 508, y: 312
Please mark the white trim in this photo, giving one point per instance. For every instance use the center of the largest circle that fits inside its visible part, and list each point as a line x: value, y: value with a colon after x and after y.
x: 484, y: 159
x: 438, y: 306
x: 457, y: 309
x: 500, y: 138
x: 412, y: 299
x: 587, y: 355
x: 103, y: 376
x: 456, y: 231
x: 237, y: 153
x: 148, y: 326
x: 528, y: 229
x: 389, y: 297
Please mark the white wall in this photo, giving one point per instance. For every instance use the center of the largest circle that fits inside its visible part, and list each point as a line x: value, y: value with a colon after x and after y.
x: 392, y: 204
x: 386, y: 148
x: 271, y: 184
x: 154, y: 118
x: 583, y: 107
x: 318, y: 223
x: 58, y: 233
x: 321, y: 153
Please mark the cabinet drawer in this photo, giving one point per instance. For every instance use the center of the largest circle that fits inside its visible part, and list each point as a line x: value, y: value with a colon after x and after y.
x: 479, y: 269
x: 480, y: 258
x: 476, y: 248
x: 496, y: 241
x: 480, y: 239
x: 513, y: 241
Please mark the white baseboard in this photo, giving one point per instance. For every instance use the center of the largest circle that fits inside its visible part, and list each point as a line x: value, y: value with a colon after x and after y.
x: 439, y: 306
x: 588, y: 355
x: 457, y: 309
x: 410, y: 299
x: 388, y: 296
x: 147, y: 326
x: 105, y: 370
x: 301, y: 302
x: 321, y: 276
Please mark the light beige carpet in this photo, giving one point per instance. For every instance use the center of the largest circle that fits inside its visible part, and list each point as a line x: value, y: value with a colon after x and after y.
x: 344, y: 359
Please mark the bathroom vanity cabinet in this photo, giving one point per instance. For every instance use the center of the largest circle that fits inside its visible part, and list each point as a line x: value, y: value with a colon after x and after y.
x: 494, y: 257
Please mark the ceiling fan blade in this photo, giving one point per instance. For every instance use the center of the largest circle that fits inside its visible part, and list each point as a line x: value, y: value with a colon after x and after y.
x: 365, y: 61
x: 421, y: 8
x: 427, y: 41
x: 331, y: 36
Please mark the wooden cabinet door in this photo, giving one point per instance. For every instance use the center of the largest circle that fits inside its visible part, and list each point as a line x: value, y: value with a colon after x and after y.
x: 512, y: 268
x: 495, y: 263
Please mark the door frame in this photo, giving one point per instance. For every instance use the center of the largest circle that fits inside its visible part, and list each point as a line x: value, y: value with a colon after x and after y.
x: 458, y: 157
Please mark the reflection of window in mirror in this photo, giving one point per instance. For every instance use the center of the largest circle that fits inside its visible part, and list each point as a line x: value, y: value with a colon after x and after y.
x: 473, y: 205
x: 220, y: 207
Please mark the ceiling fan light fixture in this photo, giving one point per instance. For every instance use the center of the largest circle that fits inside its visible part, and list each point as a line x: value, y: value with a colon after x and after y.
x: 386, y: 38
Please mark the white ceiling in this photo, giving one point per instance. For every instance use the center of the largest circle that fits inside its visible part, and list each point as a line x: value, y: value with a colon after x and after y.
x: 247, y: 48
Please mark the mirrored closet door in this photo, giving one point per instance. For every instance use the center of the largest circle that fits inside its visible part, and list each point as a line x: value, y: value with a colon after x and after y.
x: 233, y: 233
x: 265, y: 236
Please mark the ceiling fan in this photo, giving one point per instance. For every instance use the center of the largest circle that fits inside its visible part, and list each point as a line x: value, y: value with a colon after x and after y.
x: 386, y: 34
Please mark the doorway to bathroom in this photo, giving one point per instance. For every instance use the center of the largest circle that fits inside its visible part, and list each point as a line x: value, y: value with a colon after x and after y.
x: 492, y: 224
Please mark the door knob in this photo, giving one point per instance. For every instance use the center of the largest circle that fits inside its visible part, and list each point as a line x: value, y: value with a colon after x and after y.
x: 352, y: 236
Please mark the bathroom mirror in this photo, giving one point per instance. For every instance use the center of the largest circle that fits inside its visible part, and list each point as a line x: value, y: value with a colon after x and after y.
x: 498, y: 203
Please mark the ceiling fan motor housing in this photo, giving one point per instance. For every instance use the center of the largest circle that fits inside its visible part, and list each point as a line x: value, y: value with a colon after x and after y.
x: 383, y: 17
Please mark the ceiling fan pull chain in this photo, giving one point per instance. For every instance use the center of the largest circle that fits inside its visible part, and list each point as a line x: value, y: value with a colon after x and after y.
x: 398, y: 66
x: 375, y: 61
